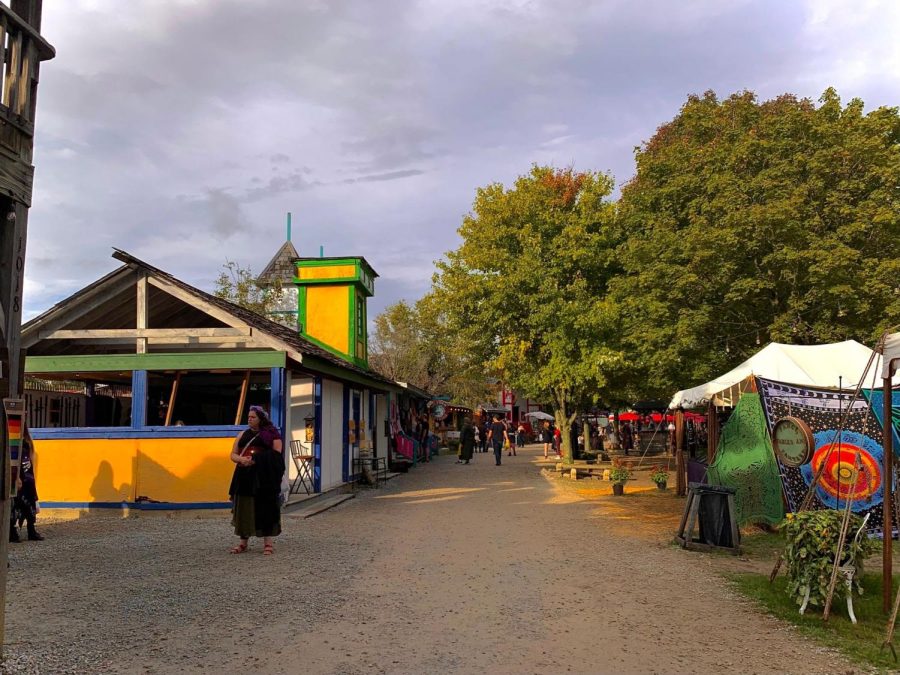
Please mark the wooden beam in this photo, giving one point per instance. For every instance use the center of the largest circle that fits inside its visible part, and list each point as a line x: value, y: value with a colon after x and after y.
x: 15, y: 21
x: 161, y: 333
x: 245, y: 386
x: 223, y: 316
x: 63, y: 315
x: 172, y: 396
x: 143, y: 312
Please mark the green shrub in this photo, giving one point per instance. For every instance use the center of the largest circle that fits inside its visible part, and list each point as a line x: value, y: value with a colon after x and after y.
x: 810, y: 546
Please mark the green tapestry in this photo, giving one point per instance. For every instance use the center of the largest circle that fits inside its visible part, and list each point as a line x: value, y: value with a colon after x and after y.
x: 745, y: 461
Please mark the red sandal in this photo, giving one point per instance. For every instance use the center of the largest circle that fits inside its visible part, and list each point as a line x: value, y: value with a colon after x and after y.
x: 268, y: 549
x: 240, y: 548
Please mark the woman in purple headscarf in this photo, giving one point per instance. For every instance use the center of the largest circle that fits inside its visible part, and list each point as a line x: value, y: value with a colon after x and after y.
x: 256, y: 483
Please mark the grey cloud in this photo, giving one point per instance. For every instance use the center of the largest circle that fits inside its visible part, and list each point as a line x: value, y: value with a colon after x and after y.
x: 295, y: 181
x: 226, y: 213
x: 390, y: 175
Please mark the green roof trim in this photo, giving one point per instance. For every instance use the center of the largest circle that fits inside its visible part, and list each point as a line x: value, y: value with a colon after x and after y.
x: 97, y: 363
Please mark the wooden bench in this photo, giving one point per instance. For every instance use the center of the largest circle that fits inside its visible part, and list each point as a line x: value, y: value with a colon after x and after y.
x: 582, y: 470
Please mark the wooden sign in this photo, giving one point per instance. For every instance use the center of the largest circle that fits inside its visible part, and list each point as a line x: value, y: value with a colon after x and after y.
x: 793, y: 441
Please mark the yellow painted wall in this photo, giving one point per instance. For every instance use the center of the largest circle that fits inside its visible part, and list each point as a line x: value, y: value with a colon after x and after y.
x: 115, y: 470
x: 327, y: 272
x: 327, y: 314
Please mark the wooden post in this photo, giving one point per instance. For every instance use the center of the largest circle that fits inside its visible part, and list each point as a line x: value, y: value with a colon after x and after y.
x: 20, y: 61
x: 243, y: 399
x: 712, y: 432
x: 142, y: 312
x: 888, y: 503
x: 172, y: 395
x: 680, y: 466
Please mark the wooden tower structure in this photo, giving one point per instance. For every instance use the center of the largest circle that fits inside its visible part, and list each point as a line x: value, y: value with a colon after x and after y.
x: 332, y: 305
x: 22, y: 49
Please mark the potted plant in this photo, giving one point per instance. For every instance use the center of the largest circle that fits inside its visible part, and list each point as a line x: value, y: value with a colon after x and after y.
x: 660, y: 476
x: 618, y: 475
x: 811, y: 541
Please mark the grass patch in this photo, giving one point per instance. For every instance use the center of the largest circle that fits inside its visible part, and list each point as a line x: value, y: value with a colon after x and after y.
x: 761, y: 544
x: 861, y: 642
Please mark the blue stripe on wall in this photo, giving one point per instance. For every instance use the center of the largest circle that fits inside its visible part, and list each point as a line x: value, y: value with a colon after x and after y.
x: 228, y: 431
x: 317, y: 433
x: 140, y: 506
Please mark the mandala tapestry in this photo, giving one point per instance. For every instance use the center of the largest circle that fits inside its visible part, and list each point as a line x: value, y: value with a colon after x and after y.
x: 861, y: 436
x: 745, y: 461
x: 877, y: 399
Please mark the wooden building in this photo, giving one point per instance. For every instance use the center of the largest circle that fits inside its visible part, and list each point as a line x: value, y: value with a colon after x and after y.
x: 139, y: 383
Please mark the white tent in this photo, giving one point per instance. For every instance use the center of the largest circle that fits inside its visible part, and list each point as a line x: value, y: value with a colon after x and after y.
x: 831, y: 365
x: 891, y: 352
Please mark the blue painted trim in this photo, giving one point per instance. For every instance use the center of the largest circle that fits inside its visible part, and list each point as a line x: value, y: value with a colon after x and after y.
x: 317, y: 433
x: 278, y: 384
x: 73, y: 433
x: 140, y: 506
x: 138, y: 399
x: 345, y: 435
x: 373, y: 430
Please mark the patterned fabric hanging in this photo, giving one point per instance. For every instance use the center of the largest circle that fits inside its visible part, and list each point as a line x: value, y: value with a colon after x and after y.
x: 745, y: 461
x: 821, y: 410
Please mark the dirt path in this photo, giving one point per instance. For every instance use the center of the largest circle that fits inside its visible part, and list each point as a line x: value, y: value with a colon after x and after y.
x: 451, y: 568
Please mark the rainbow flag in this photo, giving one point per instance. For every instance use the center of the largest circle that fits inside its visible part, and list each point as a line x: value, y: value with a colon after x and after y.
x: 14, y: 438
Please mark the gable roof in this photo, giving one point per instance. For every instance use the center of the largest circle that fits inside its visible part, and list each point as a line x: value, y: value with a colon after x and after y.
x: 321, y: 360
x: 281, y: 266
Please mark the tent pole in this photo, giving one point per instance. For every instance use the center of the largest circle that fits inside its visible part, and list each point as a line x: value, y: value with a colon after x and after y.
x: 888, y: 505
x: 680, y: 468
x: 712, y: 432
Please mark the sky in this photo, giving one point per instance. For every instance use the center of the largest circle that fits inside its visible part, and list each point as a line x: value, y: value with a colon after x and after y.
x: 184, y: 131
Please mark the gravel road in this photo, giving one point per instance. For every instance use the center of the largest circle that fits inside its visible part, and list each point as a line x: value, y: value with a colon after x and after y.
x: 455, y: 568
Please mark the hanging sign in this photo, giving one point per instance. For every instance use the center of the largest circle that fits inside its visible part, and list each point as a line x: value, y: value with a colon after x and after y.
x: 793, y: 442
x: 438, y: 410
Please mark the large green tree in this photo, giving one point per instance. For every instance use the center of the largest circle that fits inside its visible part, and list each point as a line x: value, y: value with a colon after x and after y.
x: 526, y: 290
x: 753, y: 222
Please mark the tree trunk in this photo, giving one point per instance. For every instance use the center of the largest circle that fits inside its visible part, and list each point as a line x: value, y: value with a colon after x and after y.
x: 564, y: 422
x: 586, y: 430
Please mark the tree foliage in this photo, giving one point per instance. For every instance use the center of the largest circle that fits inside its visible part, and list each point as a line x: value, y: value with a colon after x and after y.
x: 238, y: 285
x: 409, y: 344
x: 525, y: 292
x: 753, y: 222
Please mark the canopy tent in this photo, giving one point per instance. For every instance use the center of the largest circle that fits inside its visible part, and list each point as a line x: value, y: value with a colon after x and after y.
x: 831, y: 365
x: 540, y: 415
x: 891, y: 352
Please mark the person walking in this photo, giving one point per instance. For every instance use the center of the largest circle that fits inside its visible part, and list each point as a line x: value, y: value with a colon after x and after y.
x: 24, y: 506
x: 557, y: 441
x: 498, y: 436
x: 546, y: 438
x: 466, y: 442
x: 520, y: 435
x: 627, y: 438
x: 256, y: 483
x: 485, y: 432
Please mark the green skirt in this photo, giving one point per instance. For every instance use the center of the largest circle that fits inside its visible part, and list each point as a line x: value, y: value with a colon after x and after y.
x: 247, y: 522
